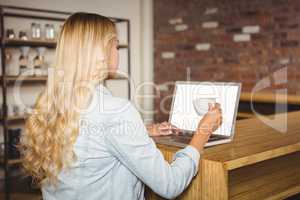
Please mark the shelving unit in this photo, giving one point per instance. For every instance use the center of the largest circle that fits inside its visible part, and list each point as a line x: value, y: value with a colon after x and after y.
x: 7, y: 80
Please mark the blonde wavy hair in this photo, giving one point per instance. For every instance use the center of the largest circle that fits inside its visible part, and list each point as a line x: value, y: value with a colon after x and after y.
x: 81, y: 62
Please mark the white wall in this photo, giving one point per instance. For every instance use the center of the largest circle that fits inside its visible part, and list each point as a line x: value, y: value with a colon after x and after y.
x: 139, y: 12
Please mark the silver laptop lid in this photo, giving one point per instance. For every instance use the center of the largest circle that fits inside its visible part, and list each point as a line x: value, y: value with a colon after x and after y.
x: 190, y: 103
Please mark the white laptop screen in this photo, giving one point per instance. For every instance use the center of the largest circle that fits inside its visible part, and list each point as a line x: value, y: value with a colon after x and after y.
x: 191, y: 99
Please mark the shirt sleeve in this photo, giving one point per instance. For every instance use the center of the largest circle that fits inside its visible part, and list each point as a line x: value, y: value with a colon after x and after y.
x: 128, y: 140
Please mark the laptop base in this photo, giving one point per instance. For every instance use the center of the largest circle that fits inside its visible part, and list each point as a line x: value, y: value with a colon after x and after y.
x: 182, y: 140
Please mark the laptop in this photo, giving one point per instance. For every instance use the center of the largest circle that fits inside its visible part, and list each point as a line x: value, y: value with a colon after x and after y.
x: 190, y: 103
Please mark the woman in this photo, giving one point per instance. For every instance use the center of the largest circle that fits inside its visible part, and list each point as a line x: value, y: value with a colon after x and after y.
x: 80, y: 142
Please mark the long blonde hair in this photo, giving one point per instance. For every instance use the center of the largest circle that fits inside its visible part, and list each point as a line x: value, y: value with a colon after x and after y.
x: 52, y: 128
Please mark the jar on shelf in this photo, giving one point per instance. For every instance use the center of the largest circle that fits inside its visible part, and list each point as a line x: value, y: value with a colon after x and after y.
x: 23, y: 35
x: 23, y: 61
x: 49, y: 32
x: 10, y: 34
x: 35, y: 31
x: 38, y: 62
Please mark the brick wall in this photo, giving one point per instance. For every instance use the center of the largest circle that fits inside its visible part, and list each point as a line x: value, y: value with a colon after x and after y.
x: 225, y: 40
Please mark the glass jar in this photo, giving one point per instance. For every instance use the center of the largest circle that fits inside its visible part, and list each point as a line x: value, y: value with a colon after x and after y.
x: 50, y: 32
x: 10, y: 34
x: 23, y: 35
x: 35, y: 31
x: 38, y: 62
x: 23, y: 60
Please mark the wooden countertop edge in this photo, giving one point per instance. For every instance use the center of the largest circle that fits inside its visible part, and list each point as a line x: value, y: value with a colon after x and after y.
x: 266, y: 155
x: 247, y: 160
x: 270, y: 98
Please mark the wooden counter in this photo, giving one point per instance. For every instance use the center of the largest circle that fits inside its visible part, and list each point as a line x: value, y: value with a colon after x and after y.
x: 261, y: 163
x: 267, y: 97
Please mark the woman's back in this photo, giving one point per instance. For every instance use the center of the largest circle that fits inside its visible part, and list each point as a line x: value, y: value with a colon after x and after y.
x: 97, y: 174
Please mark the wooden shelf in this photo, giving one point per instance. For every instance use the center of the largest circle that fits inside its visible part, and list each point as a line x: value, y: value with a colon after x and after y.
x: 117, y: 77
x: 14, y: 161
x: 26, y: 78
x: 39, y: 43
x: 16, y: 118
x: 23, y: 196
x: 30, y: 43
x: 123, y: 46
x: 11, y: 161
x: 44, y: 78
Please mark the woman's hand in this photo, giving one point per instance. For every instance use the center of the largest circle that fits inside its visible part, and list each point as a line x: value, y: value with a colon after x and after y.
x: 207, y: 125
x: 162, y: 129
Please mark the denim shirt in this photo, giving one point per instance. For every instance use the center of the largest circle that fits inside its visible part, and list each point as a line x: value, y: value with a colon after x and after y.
x: 116, y: 158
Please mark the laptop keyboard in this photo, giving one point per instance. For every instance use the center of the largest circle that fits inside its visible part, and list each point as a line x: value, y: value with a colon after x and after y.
x: 187, y: 138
